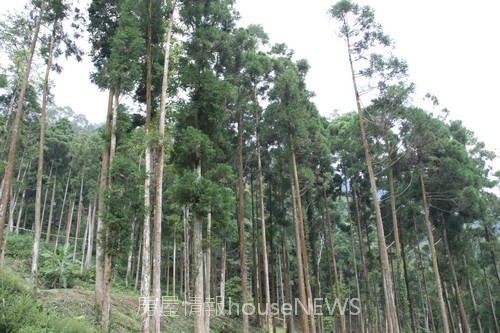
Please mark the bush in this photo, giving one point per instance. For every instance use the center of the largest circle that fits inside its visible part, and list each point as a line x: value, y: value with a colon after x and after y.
x: 19, y: 246
x: 19, y: 312
x: 58, y: 269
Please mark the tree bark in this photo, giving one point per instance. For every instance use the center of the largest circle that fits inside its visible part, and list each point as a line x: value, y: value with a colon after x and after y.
x: 461, y: 309
x: 477, y: 317
x: 51, y: 210
x: 335, y: 271
x: 265, y: 260
x: 78, y: 218
x: 39, y: 174
x: 241, y: 224
x: 442, y: 306
x: 185, y: 220
x: 304, y: 323
x: 100, y: 246
x: 199, y: 304
x: 389, y: 304
x: 146, y: 237
x: 303, y: 239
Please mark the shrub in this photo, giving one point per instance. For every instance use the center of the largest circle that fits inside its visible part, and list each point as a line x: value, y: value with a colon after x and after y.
x: 58, y: 269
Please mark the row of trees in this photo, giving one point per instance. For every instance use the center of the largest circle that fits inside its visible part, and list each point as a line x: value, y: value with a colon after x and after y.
x: 223, y: 180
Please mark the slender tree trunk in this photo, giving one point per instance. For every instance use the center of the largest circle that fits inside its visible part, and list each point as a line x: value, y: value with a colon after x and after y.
x: 241, y: 223
x: 51, y: 210
x: 303, y: 240
x: 138, y: 268
x: 442, y: 306
x: 9, y: 168
x: 174, y: 261
x: 389, y: 304
x: 290, y: 325
x: 265, y: 260
x: 256, y: 270
x: 354, y: 260
x: 158, y: 205
x: 69, y: 220
x: 88, y: 257
x: 334, y: 259
x: 461, y: 309
x: 78, y: 218
x: 130, y: 252
x: 85, y: 236
x: 223, y: 268
x: 20, y: 213
x: 407, y: 284
x: 304, y: 323
x: 100, y: 246
x: 208, y: 270
x: 62, y: 207
x: 492, y: 305
x: 185, y: 220
x: 363, y: 259
x: 199, y: 313
x: 477, y: 317
x: 39, y: 174
x: 146, y: 238
x: 448, y: 304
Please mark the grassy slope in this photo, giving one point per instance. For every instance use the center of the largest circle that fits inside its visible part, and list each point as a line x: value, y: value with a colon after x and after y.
x: 77, y: 304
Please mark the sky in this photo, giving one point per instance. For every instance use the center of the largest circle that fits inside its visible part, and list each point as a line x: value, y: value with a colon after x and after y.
x: 450, y: 47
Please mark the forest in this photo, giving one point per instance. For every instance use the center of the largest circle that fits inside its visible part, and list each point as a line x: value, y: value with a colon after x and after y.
x: 216, y: 188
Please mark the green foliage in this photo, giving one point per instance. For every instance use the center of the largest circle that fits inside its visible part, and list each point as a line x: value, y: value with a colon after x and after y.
x: 19, y: 312
x: 19, y: 246
x: 58, y: 270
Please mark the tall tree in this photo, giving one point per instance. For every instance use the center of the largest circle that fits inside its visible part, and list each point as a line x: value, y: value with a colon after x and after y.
x: 7, y: 177
x: 362, y: 35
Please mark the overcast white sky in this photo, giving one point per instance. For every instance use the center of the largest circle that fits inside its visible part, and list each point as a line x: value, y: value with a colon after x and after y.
x: 450, y: 47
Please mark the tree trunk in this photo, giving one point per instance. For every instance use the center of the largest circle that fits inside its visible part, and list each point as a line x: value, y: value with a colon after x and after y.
x: 288, y: 290
x: 9, y: 168
x: 389, y: 299
x: 20, y: 213
x: 222, y: 291
x: 241, y: 223
x: 39, y: 174
x: 407, y: 284
x: 99, y: 249
x: 130, y: 252
x: 174, y: 260
x: 363, y: 258
x: 199, y: 304
x: 477, y: 317
x: 303, y: 240
x: 51, y: 210
x: 208, y: 271
x: 304, y: 323
x: 335, y: 271
x: 146, y: 238
x: 461, y: 310
x: 62, y: 208
x: 265, y: 260
x: 88, y: 257
x: 185, y: 220
x: 85, y: 236
x: 78, y: 218
x: 442, y: 306
x: 255, y: 258
x: 354, y: 260
x: 492, y: 305
x: 69, y: 221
